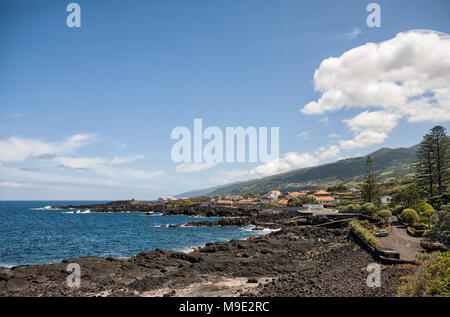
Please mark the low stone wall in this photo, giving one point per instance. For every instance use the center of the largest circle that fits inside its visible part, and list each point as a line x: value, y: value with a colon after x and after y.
x: 385, y: 257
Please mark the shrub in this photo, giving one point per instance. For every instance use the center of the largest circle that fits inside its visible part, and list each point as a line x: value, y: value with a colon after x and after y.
x: 424, y: 207
x: 409, y: 216
x: 369, y: 209
x: 432, y: 278
x: 364, y: 234
x: 385, y: 214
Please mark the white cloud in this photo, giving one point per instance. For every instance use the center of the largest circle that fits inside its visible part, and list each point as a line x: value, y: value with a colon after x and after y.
x: 289, y: 161
x: 408, y: 75
x: 79, y: 162
x: 324, y: 120
x: 193, y: 167
x: 17, y: 149
x: 405, y: 77
x: 334, y: 135
x: 304, y: 134
x: 14, y: 185
x: 353, y: 34
x: 126, y: 159
x: 324, y: 153
x: 370, y: 128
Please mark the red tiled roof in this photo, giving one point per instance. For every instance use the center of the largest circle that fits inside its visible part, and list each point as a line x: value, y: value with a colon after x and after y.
x: 224, y: 201
x: 325, y: 198
x: 282, y: 202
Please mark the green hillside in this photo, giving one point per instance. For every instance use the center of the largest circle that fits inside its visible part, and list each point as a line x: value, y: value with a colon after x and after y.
x: 388, y: 164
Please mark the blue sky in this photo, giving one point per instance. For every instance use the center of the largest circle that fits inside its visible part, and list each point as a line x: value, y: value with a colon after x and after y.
x: 86, y: 113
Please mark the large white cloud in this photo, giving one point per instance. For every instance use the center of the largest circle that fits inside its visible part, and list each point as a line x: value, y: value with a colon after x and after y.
x: 408, y: 75
x: 287, y: 162
x: 404, y: 77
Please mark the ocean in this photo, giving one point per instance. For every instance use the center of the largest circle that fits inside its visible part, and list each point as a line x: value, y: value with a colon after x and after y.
x: 30, y: 234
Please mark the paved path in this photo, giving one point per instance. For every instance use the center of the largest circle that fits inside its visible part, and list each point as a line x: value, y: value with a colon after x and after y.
x: 399, y: 240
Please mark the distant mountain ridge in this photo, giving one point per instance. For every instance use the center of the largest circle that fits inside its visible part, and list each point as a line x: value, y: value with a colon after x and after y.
x: 388, y: 164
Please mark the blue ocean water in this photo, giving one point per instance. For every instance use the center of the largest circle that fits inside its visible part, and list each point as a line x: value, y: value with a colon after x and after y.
x: 30, y: 234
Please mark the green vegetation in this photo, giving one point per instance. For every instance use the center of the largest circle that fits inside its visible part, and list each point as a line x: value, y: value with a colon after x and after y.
x: 433, y: 169
x: 299, y: 201
x: 369, y: 188
x: 409, y: 216
x: 384, y: 215
x: 364, y: 233
x: 440, y: 226
x: 369, y: 209
x: 431, y: 279
x: 351, y: 207
x: 408, y: 197
x: 345, y: 172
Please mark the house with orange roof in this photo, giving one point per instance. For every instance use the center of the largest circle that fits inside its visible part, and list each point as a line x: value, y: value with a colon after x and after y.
x: 248, y: 201
x: 321, y: 193
x: 236, y: 197
x: 327, y: 200
x: 224, y: 202
x: 282, y: 202
x: 295, y: 194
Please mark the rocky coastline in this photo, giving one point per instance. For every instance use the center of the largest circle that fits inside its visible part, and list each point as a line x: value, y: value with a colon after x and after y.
x: 299, y: 259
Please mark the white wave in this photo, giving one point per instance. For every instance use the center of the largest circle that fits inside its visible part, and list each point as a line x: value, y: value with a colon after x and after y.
x: 188, y: 249
x: 78, y: 212
x: 251, y: 228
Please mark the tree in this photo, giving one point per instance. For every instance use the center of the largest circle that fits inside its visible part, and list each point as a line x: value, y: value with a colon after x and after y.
x: 407, y: 197
x: 369, y: 188
x: 441, y: 152
x: 424, y: 164
x: 440, y: 226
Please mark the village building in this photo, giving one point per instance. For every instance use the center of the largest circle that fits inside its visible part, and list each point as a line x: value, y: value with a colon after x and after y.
x: 248, y: 201
x: 326, y: 200
x: 295, y: 194
x: 273, y: 194
x: 225, y: 202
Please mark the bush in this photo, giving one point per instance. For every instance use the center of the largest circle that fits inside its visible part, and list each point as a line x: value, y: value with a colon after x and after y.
x: 432, y: 278
x: 369, y: 209
x: 409, y: 216
x: 364, y: 234
x: 385, y: 214
x: 424, y: 207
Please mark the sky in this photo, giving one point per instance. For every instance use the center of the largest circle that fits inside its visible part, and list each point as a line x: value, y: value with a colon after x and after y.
x: 87, y: 112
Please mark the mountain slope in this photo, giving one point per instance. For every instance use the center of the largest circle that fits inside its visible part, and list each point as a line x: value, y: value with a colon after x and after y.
x: 388, y: 164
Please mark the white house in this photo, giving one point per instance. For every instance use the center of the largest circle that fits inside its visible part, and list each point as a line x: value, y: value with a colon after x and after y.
x: 386, y: 199
x: 273, y: 194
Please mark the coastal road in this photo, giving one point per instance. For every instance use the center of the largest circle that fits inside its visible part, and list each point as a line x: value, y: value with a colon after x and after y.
x: 399, y: 240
